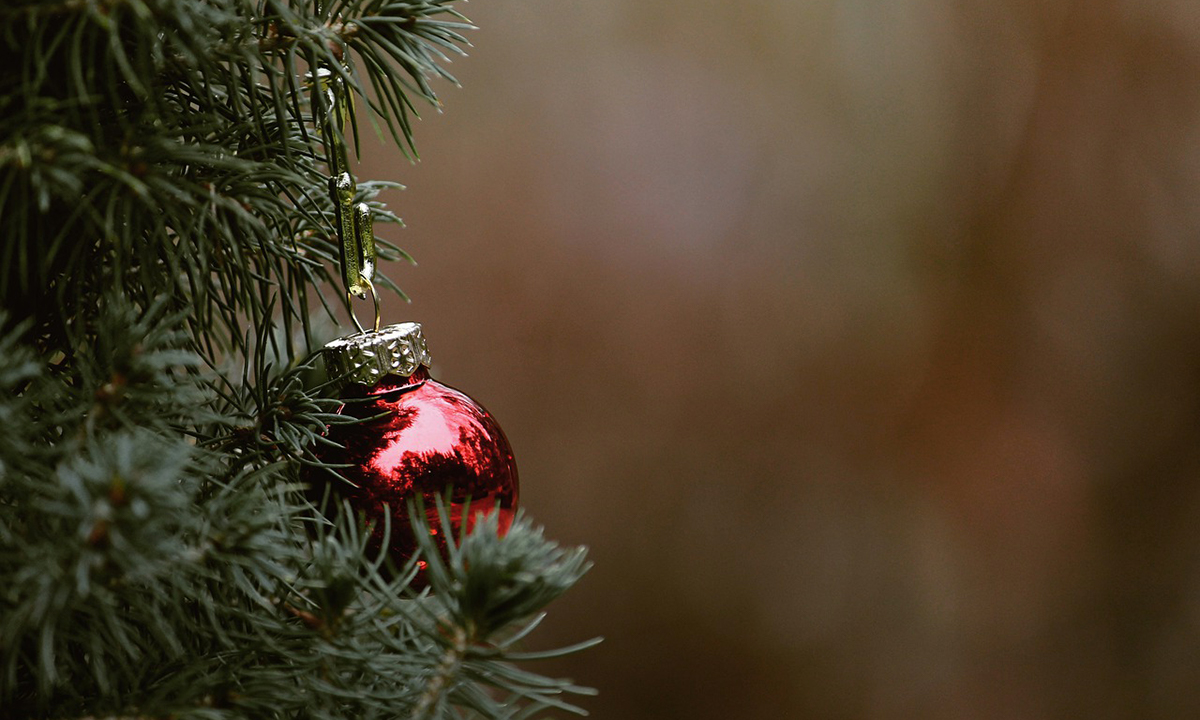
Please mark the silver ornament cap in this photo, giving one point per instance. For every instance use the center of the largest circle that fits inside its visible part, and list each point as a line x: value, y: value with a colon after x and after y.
x: 366, y: 357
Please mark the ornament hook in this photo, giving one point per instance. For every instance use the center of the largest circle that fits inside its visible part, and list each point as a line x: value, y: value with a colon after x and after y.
x: 357, y: 252
x: 375, y: 301
x: 353, y: 222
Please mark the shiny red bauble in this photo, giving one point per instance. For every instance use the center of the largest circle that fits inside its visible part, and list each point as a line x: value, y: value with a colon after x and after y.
x: 417, y: 437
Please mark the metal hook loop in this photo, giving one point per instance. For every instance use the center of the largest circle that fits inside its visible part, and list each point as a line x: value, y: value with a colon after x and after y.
x: 375, y: 300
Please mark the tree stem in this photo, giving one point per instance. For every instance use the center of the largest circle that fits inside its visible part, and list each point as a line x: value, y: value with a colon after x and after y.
x: 446, y: 669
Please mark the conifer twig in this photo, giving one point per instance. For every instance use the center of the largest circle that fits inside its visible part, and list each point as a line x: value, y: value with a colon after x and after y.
x: 445, y: 671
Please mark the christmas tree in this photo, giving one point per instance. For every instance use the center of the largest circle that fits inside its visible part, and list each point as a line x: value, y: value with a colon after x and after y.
x: 172, y: 255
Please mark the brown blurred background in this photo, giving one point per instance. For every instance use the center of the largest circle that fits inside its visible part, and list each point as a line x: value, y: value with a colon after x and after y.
x: 859, y: 340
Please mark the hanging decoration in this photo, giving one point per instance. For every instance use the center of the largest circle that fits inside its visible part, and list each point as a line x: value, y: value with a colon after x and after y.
x: 414, y: 437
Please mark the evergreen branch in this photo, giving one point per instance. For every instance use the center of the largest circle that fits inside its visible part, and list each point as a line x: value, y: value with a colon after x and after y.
x: 445, y: 672
x: 164, y: 226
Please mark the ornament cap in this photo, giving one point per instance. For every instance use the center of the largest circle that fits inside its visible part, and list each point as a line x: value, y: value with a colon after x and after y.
x: 366, y: 357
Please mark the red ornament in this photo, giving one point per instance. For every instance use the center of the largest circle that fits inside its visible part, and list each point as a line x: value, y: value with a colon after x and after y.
x: 417, y: 437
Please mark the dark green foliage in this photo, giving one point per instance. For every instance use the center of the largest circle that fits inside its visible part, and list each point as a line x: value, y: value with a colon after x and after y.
x: 176, y: 149
x: 164, y: 232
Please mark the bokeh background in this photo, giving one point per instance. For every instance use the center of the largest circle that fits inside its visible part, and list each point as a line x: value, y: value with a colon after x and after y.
x: 859, y: 340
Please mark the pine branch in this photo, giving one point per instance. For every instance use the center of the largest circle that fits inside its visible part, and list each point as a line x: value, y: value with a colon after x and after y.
x: 164, y: 230
x: 186, y: 171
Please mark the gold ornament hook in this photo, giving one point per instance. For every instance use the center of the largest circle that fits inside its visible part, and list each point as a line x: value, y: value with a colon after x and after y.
x: 353, y: 221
